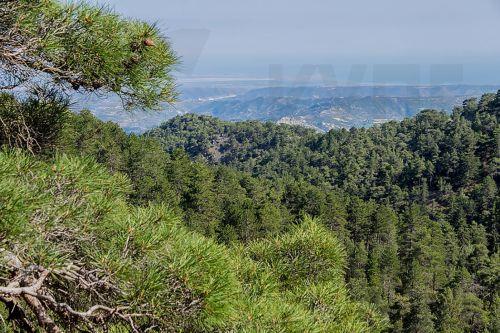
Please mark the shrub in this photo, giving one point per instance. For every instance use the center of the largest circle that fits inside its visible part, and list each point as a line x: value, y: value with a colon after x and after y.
x: 33, y: 123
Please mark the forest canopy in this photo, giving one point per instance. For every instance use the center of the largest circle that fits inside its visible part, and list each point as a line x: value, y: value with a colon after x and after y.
x: 202, y: 225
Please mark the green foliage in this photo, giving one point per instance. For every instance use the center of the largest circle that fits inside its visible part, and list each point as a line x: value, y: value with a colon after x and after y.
x: 72, y: 212
x: 414, y: 203
x: 220, y: 202
x: 78, y: 45
x: 308, y: 254
x: 298, y: 277
x: 34, y: 123
x: 430, y: 159
x: 360, y: 183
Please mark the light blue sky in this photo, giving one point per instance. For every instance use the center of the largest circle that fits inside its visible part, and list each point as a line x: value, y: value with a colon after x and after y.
x: 245, y: 37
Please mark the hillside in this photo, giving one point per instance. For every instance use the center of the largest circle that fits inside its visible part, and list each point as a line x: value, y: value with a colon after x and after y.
x: 434, y: 148
x: 68, y: 225
x: 324, y: 114
x: 409, y: 202
x: 205, y: 225
x: 447, y: 165
x: 319, y: 107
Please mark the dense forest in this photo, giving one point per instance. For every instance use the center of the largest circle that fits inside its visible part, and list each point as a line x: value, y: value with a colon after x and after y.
x: 413, y: 203
x: 202, y: 225
x: 120, y: 222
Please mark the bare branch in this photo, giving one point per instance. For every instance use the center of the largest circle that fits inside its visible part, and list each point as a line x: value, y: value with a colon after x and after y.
x: 31, y: 290
x: 40, y: 312
x: 40, y: 302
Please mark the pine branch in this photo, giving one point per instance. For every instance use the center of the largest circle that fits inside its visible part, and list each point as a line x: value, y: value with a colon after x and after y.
x: 42, y: 303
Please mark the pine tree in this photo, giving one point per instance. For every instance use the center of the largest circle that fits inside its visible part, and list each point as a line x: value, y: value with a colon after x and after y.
x: 419, y: 278
x: 383, y: 262
x: 203, y: 211
x: 83, y: 47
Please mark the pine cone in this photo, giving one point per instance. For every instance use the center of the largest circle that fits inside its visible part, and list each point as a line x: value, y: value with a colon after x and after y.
x: 149, y: 42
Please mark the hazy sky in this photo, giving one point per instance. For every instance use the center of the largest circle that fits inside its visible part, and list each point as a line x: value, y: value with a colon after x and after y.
x: 248, y: 37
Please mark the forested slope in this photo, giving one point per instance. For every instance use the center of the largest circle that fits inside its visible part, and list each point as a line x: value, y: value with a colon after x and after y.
x: 415, y: 201
x: 426, y: 258
x: 429, y: 159
x: 209, y: 226
x: 67, y: 221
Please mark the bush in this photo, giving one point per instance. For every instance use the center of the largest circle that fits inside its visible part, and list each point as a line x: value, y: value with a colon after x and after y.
x: 295, y: 283
x: 66, y: 225
x: 70, y: 218
x: 308, y: 254
x: 33, y: 123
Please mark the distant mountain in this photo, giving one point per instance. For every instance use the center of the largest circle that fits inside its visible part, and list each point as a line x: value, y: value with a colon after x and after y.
x: 320, y: 108
x: 325, y: 113
x: 365, y: 91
